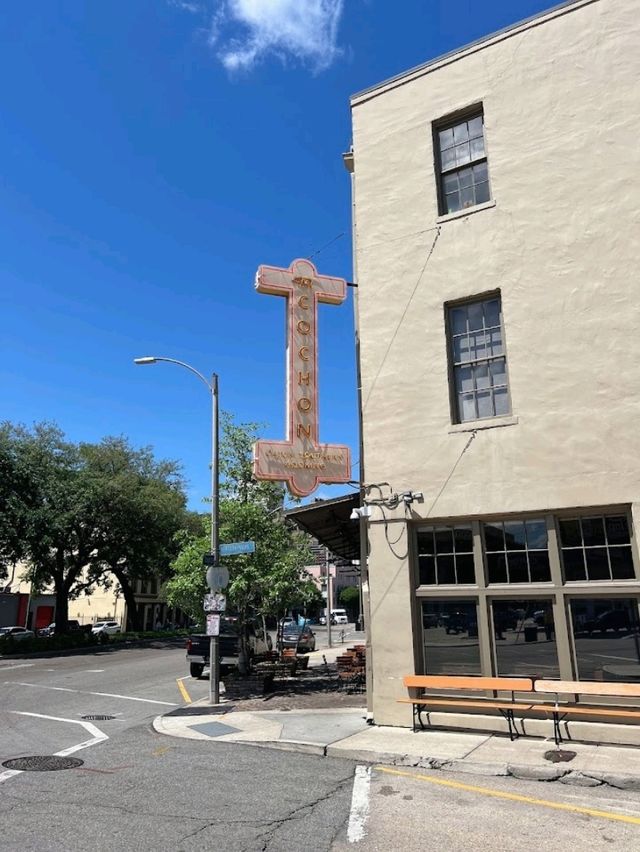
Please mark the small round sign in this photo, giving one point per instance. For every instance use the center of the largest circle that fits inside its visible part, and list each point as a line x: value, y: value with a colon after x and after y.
x: 218, y: 577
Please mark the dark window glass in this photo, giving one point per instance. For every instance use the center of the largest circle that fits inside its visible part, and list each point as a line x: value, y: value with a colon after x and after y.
x: 600, y: 543
x: 445, y: 555
x: 497, y: 563
x: 493, y: 537
x: 524, y: 633
x: 517, y: 551
x: 539, y: 566
x: 518, y: 568
x: 450, y: 635
x: 605, y: 637
x: 464, y: 176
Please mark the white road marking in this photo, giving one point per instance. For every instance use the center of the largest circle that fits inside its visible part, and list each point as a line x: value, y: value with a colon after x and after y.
x: 359, y: 804
x: 83, y: 692
x: 98, y: 736
x: 93, y: 671
x: 18, y: 666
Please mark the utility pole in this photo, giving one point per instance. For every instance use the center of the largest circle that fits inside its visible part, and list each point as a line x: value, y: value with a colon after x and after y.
x: 329, y: 593
x: 214, y: 658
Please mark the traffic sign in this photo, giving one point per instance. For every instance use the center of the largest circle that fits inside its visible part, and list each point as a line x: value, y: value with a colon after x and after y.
x: 213, y: 625
x: 215, y: 602
x: 237, y: 547
x: 217, y: 577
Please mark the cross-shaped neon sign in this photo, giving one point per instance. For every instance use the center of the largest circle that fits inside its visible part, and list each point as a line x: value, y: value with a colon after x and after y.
x: 301, y: 461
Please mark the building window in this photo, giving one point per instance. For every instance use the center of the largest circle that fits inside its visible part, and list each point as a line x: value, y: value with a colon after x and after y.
x: 517, y: 551
x: 478, y: 360
x: 596, y: 548
x: 450, y: 637
x: 525, y: 638
x: 462, y: 161
x: 445, y: 556
x: 605, y: 636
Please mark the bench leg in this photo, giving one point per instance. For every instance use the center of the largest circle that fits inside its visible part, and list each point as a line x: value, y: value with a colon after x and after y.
x: 557, y: 733
x: 511, y: 722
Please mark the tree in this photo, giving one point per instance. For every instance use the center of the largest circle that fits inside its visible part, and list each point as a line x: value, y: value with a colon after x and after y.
x: 16, y: 495
x: 349, y: 597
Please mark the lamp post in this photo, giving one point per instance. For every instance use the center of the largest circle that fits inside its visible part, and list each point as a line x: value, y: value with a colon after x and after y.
x: 212, y: 387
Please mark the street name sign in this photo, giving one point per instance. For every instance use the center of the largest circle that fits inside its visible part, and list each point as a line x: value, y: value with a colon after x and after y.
x: 237, y: 547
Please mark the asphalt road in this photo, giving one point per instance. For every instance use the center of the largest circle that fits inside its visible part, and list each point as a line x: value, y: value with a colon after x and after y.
x: 139, y: 790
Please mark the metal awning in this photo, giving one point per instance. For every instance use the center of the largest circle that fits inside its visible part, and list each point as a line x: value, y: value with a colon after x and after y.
x: 329, y: 521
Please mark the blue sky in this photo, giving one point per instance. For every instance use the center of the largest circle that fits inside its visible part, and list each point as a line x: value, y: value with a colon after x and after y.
x: 154, y: 153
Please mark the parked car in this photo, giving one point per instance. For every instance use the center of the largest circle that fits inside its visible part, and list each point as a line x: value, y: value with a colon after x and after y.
x: 430, y: 619
x: 613, y: 619
x: 338, y: 616
x: 106, y: 628
x: 258, y: 643
x: 301, y: 638
x: 456, y: 623
x: 16, y: 633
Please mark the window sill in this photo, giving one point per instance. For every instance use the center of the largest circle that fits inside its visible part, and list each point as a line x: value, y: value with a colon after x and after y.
x: 467, y: 211
x: 477, y: 425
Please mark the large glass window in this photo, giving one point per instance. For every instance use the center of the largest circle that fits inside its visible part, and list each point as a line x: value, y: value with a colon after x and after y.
x: 525, y: 640
x: 450, y: 636
x: 605, y: 636
x: 478, y: 360
x: 596, y: 548
x: 464, y: 174
x: 445, y: 555
x: 517, y: 551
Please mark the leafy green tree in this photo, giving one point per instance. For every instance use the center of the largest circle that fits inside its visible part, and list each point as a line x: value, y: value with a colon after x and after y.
x: 349, y: 597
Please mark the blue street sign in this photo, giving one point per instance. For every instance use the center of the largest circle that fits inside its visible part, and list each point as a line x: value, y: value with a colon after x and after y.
x: 237, y: 547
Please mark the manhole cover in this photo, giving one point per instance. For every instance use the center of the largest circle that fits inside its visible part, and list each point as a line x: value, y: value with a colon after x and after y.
x: 42, y: 763
x: 559, y: 756
x: 96, y: 717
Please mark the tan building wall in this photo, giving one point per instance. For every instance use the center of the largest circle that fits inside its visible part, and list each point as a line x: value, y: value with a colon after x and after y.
x: 559, y: 240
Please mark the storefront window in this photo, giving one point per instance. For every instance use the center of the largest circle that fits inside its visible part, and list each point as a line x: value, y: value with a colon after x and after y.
x: 517, y: 551
x: 450, y: 636
x: 445, y: 556
x: 596, y: 548
x: 525, y: 641
x: 605, y: 636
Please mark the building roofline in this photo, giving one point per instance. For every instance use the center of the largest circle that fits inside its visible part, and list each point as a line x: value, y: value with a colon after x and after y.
x: 467, y: 49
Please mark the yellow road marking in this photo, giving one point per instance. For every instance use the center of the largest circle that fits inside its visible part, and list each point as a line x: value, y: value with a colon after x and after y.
x: 183, y: 690
x: 514, y: 797
x: 158, y: 752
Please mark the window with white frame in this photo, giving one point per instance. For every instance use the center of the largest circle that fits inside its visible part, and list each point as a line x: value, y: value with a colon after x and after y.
x: 478, y: 360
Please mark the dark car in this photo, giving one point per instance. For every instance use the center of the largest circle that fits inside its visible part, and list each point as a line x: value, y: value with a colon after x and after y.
x: 456, y: 622
x: 294, y: 636
x: 613, y: 619
x: 16, y: 633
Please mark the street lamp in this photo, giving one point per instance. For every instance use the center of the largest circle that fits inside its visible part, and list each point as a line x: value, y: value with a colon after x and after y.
x: 212, y: 387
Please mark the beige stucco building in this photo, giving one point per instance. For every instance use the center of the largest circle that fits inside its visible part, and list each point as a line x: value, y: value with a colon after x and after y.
x: 497, y: 245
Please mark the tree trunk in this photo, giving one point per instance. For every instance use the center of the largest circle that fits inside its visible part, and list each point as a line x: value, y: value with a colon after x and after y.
x: 133, y: 613
x: 62, y: 607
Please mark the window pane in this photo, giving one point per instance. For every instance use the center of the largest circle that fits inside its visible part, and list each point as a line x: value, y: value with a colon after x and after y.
x: 463, y: 155
x: 493, y: 536
x: 427, y: 569
x: 463, y: 537
x: 446, y: 138
x: 481, y: 373
x: 467, y: 197
x: 539, y: 566
x: 501, y: 400
x: 482, y: 193
x: 536, y: 534
x: 458, y: 320
x: 574, y: 564
x: 606, y: 638
x: 593, y: 531
x: 465, y: 177
x: 445, y: 570
x: 467, y: 407
x: 464, y: 379
x: 443, y: 539
x: 460, y: 132
x: 451, y: 643
x: 485, y: 404
x: 477, y: 148
x: 497, y: 567
x: 452, y: 202
x: 425, y: 542
x: 448, y: 159
x: 518, y: 568
x: 597, y: 563
x: 450, y: 182
x: 475, y: 127
x: 514, y: 534
x: 461, y: 349
x: 495, y: 347
x: 529, y: 647
x: 475, y: 313
x: 492, y: 312
x: 479, y: 345
x: 480, y: 173
x: 617, y: 530
x: 621, y: 563
x: 570, y: 533
x: 464, y: 568
x: 498, y: 372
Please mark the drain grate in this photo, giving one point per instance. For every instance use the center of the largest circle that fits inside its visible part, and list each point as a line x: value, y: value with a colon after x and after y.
x: 559, y: 756
x: 42, y: 763
x: 96, y: 717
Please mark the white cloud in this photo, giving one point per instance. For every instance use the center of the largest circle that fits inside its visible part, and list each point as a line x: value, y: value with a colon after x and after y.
x: 305, y: 30
x: 187, y: 6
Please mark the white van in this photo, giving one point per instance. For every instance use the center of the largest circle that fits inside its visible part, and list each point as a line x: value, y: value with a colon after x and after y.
x: 339, y: 616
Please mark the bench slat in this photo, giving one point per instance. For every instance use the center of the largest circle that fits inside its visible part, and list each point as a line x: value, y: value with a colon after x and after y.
x: 586, y: 687
x: 510, y: 684
x: 465, y: 702
x: 586, y: 711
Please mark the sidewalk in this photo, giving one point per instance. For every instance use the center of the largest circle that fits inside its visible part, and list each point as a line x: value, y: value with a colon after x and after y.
x: 345, y: 733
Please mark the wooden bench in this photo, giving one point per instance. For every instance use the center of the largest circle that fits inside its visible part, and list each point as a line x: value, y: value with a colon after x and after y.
x: 595, y: 688
x: 468, y: 684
